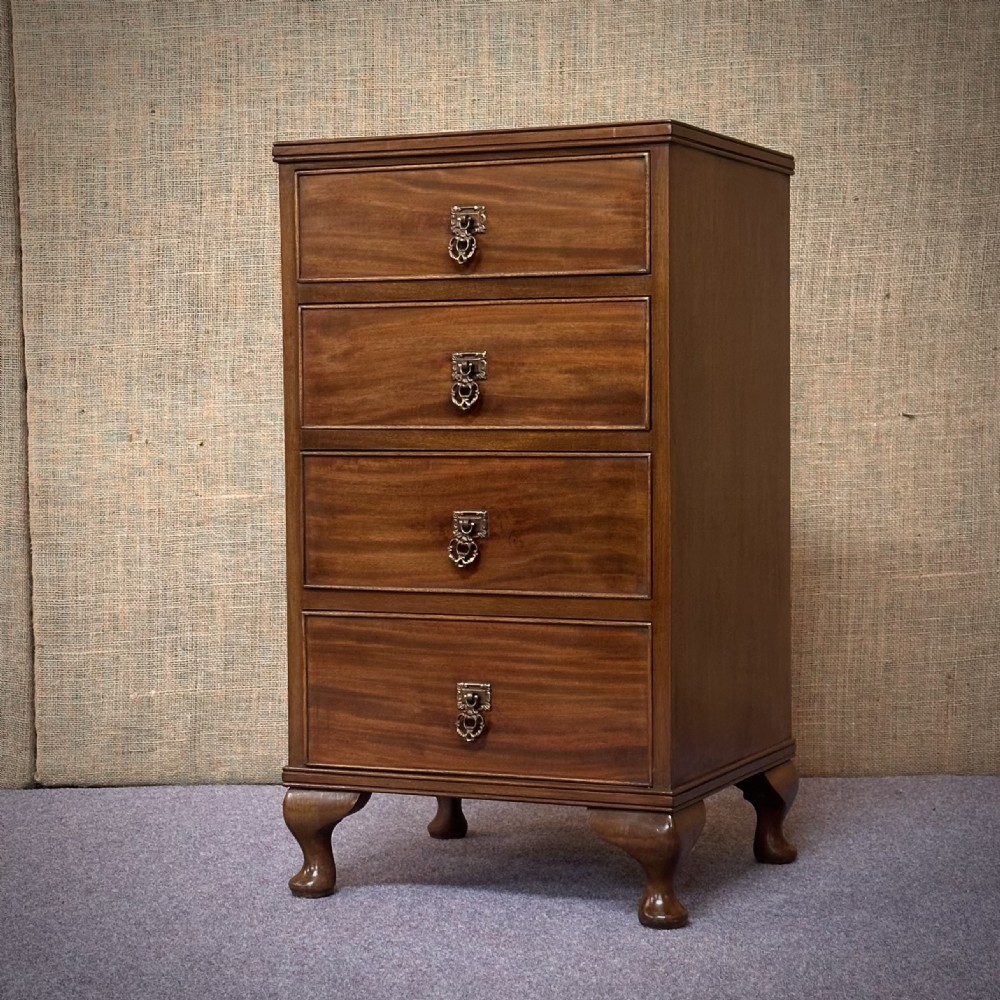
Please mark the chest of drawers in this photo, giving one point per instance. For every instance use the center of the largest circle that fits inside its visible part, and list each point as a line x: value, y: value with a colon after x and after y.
x: 537, y: 467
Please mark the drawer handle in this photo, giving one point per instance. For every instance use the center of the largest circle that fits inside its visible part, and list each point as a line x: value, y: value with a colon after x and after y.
x: 468, y: 369
x: 473, y: 700
x: 467, y: 221
x: 466, y: 526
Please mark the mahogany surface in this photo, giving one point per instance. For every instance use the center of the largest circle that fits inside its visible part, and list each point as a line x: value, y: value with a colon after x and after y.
x: 569, y: 364
x: 659, y: 842
x: 570, y: 700
x: 481, y: 144
x: 729, y: 452
x: 630, y: 606
x: 772, y: 793
x: 311, y: 816
x: 558, y: 524
x: 449, y: 822
x: 392, y: 221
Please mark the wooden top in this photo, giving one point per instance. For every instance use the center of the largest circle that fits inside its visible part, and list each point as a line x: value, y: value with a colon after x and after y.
x: 533, y: 139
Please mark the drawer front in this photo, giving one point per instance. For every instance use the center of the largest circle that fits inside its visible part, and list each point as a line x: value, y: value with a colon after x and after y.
x: 579, y: 364
x: 558, y: 524
x: 568, y: 700
x: 582, y: 215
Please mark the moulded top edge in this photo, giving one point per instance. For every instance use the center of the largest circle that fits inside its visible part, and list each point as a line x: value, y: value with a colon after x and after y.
x: 627, y: 133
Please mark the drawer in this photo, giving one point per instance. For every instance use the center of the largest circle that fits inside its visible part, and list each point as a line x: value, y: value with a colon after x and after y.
x: 557, y: 524
x: 571, y: 215
x: 566, y: 364
x: 568, y: 700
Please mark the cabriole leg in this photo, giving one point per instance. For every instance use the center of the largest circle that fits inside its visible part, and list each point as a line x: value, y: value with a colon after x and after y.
x: 772, y: 793
x: 659, y: 842
x: 449, y: 821
x: 311, y: 815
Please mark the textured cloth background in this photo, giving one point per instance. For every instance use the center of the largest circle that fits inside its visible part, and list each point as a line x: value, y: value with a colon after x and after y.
x: 16, y: 734
x: 150, y: 234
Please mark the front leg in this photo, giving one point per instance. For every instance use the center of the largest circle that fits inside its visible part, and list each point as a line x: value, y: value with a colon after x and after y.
x: 659, y: 842
x: 311, y: 815
x: 772, y: 793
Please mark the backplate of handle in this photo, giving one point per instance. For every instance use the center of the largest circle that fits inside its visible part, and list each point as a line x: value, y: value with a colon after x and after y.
x: 468, y: 369
x: 473, y: 698
x: 466, y: 527
x: 465, y: 224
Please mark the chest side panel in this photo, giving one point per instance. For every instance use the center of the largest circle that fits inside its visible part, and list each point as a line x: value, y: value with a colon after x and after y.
x: 729, y: 454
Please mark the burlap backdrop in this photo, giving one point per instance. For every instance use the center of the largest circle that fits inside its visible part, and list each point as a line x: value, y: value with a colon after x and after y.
x: 152, y: 326
x: 16, y: 737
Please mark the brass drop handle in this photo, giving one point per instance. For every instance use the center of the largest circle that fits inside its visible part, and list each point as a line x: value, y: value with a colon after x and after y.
x: 468, y: 369
x: 466, y: 527
x: 473, y: 699
x: 465, y: 224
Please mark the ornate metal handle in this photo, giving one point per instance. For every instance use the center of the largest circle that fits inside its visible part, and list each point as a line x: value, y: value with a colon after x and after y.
x: 473, y: 700
x: 466, y: 526
x: 468, y: 369
x: 467, y: 222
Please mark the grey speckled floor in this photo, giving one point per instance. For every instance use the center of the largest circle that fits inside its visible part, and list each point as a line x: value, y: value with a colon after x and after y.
x: 180, y: 893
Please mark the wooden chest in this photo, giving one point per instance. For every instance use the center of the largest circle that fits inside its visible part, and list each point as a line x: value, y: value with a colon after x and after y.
x: 537, y: 461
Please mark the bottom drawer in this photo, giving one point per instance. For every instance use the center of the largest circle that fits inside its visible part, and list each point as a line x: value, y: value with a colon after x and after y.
x: 568, y: 700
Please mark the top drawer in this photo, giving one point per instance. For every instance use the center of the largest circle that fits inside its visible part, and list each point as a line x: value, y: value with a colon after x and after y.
x: 574, y: 215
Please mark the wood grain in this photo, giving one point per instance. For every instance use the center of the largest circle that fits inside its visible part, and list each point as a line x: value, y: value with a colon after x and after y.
x: 772, y: 793
x: 569, y: 700
x: 712, y: 527
x: 542, y: 218
x: 729, y: 462
x: 293, y: 483
x: 559, y: 524
x: 659, y: 842
x: 311, y: 816
x: 537, y: 140
x: 630, y: 607
x: 526, y: 789
x: 578, y: 364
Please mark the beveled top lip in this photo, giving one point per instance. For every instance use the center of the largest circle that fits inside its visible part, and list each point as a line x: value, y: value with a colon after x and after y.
x: 605, y: 135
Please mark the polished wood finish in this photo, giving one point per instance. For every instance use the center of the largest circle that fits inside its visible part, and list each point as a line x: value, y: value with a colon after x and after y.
x: 316, y: 439
x: 311, y: 816
x: 659, y: 842
x: 631, y: 603
x: 579, y: 364
x: 730, y: 619
x: 477, y: 603
x: 772, y: 793
x: 480, y: 144
x: 570, y: 700
x: 449, y: 822
x: 541, y: 217
x: 293, y: 482
x: 557, y: 791
x: 558, y: 524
